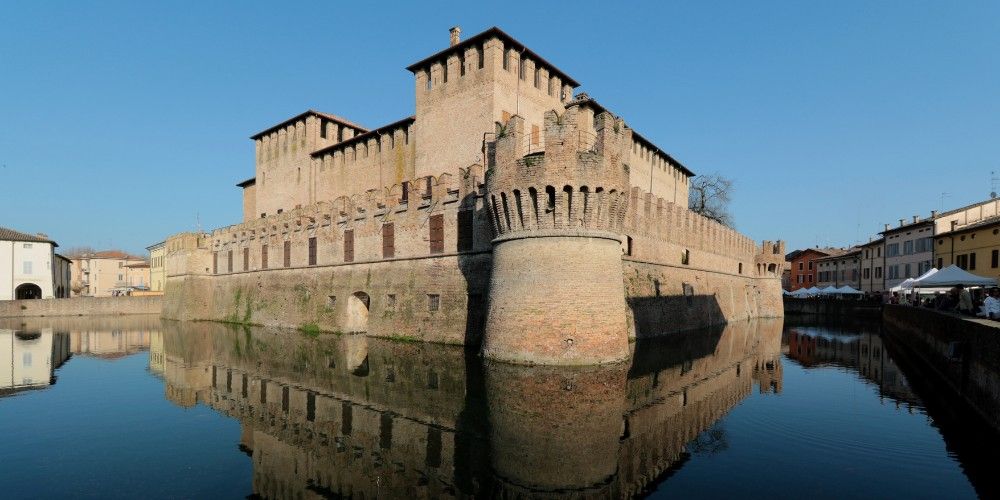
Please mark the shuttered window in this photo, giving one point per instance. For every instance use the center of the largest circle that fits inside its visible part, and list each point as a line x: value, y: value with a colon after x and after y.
x: 349, y: 245
x: 230, y: 259
x: 388, y: 241
x: 312, y: 251
x: 246, y: 259
x: 263, y: 256
x: 466, y: 218
x: 215, y: 262
x: 288, y: 254
x: 437, y: 233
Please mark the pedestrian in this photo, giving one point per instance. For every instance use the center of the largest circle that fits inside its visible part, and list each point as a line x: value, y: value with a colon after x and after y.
x: 964, y: 300
x: 991, y: 306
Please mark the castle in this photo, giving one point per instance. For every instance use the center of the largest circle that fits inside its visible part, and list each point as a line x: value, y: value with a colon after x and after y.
x: 506, y: 214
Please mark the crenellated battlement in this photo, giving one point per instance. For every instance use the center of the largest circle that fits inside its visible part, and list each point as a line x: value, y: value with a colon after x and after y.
x: 569, y: 178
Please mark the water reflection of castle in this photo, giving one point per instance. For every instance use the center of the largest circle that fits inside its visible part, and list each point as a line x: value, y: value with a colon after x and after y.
x: 31, y: 349
x: 350, y: 416
x: 864, y: 353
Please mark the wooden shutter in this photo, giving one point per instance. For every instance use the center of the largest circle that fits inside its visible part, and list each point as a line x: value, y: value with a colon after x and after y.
x: 263, y: 256
x: 349, y: 245
x: 437, y: 234
x: 312, y: 251
x: 246, y: 259
x: 466, y: 219
x: 288, y: 254
x: 388, y: 241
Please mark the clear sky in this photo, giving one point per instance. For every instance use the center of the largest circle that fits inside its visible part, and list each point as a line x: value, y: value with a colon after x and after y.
x: 124, y: 122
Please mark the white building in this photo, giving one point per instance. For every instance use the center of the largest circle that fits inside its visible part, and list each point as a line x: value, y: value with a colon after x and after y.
x: 30, y: 268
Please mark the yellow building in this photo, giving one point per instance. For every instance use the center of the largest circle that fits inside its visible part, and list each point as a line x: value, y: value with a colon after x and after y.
x: 974, y: 247
x: 157, y: 270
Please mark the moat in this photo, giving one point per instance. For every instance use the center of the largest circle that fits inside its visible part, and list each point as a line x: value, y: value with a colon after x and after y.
x: 138, y: 407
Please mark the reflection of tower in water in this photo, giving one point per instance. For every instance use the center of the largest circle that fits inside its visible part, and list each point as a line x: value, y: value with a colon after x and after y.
x: 351, y: 416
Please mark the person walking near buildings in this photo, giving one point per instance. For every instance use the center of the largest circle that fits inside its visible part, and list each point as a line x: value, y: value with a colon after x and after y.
x: 964, y: 300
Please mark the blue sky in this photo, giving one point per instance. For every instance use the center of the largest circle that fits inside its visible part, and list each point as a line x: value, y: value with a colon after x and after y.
x: 124, y: 122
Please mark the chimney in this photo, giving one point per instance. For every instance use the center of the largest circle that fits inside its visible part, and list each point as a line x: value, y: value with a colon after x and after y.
x: 933, y: 214
x: 886, y: 227
x: 916, y: 218
x: 456, y: 35
x: 901, y: 221
x: 954, y: 225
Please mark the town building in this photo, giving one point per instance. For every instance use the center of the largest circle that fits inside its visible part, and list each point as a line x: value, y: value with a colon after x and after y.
x: 802, y: 269
x: 909, y: 249
x: 843, y: 269
x: 505, y: 210
x: 29, y: 267
x: 107, y: 273
x: 872, y: 265
x: 157, y: 266
x: 974, y: 247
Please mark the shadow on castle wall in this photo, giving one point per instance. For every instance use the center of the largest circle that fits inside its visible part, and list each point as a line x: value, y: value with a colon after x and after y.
x: 666, y: 314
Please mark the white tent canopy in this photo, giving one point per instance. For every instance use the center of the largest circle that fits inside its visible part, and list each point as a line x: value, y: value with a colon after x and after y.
x: 951, y: 276
x: 830, y: 290
x: 847, y: 290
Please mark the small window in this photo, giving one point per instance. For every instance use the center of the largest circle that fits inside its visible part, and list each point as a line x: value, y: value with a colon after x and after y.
x: 229, y: 259
x: 288, y: 254
x: 388, y: 241
x: 312, y: 251
x: 686, y: 257
x: 741, y: 268
x: 433, y: 302
x: 995, y: 259
x: 349, y: 245
x: 215, y: 262
x: 27, y: 245
x: 437, y: 233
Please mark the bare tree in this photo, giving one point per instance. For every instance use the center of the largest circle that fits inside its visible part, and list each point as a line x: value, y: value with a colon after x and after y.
x: 709, y: 195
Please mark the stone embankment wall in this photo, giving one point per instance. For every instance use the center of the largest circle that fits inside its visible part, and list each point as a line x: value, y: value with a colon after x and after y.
x: 391, y: 265
x: 683, y: 270
x: 81, y: 306
x: 961, y: 352
x: 831, y: 307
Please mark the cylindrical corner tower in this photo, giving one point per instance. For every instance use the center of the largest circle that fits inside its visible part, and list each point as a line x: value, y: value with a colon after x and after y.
x: 556, y: 290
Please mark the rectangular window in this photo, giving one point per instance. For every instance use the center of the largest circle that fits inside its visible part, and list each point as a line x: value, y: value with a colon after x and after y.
x: 961, y: 261
x: 229, y: 259
x: 437, y: 233
x: 349, y: 245
x: 995, y: 259
x: 26, y: 267
x: 907, y: 247
x: 433, y: 302
x: 892, y: 250
x: 878, y: 252
x: 405, y: 195
x: 810, y: 265
x: 940, y: 261
x: 246, y: 259
x: 215, y: 262
x: 288, y: 254
x: 388, y: 241
x: 802, y: 265
x: 26, y: 245
x: 972, y: 261
x: 312, y: 251
x: 263, y: 256
x: 878, y: 272
x: 866, y: 273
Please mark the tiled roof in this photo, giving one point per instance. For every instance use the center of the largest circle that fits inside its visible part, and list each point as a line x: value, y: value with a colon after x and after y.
x: 987, y: 222
x: 7, y: 234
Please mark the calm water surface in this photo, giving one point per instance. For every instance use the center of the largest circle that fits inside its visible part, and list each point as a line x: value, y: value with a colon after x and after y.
x: 135, y: 407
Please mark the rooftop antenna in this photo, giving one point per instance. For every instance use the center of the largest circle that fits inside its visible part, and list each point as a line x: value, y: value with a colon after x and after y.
x: 943, y: 196
x: 993, y: 184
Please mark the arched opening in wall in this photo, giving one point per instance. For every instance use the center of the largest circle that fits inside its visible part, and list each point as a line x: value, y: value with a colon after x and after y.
x: 506, y: 209
x: 569, y: 205
x: 357, y: 312
x: 771, y: 268
x: 550, y: 206
x: 599, y: 200
x: 518, y: 207
x: 496, y: 215
x: 27, y: 291
x: 584, y: 215
x: 533, y: 193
